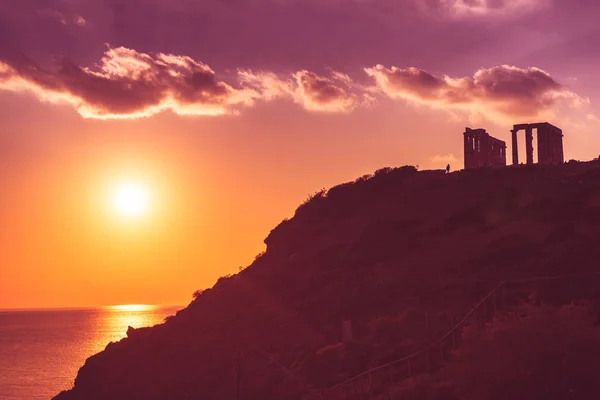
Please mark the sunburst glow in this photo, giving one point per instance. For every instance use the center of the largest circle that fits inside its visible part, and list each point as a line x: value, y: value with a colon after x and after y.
x: 131, y: 199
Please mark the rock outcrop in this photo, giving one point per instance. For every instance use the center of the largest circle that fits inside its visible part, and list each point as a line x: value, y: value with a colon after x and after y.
x: 378, y: 251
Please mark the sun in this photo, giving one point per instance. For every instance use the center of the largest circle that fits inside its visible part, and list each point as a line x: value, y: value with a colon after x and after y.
x: 130, y: 199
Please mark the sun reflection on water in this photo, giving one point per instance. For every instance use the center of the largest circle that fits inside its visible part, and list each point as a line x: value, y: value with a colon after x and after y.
x: 46, y: 348
x: 132, y: 307
x: 117, y: 319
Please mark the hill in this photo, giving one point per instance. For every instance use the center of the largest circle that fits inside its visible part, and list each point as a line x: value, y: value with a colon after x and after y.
x: 400, y: 254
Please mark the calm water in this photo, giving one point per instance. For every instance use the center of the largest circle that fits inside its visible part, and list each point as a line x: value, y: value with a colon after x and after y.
x: 41, y: 351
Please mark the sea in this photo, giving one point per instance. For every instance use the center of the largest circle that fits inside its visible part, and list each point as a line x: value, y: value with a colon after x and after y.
x: 42, y: 350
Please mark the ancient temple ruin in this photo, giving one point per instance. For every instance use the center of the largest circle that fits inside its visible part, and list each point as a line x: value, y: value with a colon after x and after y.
x: 549, y: 142
x: 483, y: 150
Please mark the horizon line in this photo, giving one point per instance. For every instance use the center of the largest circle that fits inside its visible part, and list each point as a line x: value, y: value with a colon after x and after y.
x: 69, y: 308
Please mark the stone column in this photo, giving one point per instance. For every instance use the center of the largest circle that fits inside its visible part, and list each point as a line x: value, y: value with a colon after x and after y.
x: 515, y: 148
x: 550, y: 138
x: 466, y: 149
x: 543, y: 140
x: 555, y: 156
x: 484, y: 150
x: 529, y: 144
x: 561, y: 154
x: 558, y: 146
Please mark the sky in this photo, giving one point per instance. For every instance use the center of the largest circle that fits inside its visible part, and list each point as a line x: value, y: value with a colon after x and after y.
x: 229, y: 113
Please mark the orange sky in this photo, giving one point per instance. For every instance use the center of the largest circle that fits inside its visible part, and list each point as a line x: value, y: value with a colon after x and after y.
x: 219, y: 184
x: 215, y: 195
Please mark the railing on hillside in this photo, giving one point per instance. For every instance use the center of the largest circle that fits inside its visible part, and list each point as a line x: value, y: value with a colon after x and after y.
x: 498, y: 301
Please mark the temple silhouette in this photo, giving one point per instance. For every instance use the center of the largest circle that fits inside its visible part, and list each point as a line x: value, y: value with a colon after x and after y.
x: 483, y: 150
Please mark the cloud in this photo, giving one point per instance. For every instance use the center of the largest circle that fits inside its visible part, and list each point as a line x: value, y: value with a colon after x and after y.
x: 593, y: 117
x: 268, y: 83
x: 472, y: 8
x: 80, y: 21
x: 501, y: 93
x: 317, y: 93
x: 128, y: 84
x: 443, y: 159
x: 313, y: 92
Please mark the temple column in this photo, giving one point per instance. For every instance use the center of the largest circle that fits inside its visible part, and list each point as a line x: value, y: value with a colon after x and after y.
x: 485, y: 150
x: 529, y: 144
x: 561, y: 154
x: 466, y: 149
x: 554, y: 148
x: 551, y: 147
x: 515, y: 148
x: 543, y: 146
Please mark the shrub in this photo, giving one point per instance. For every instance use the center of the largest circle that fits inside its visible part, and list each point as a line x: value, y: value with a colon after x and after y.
x: 311, y: 200
x: 363, y: 178
x: 382, y: 171
x: 538, y: 353
x: 316, y: 196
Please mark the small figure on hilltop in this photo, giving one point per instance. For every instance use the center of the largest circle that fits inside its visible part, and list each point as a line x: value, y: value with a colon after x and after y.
x: 448, y: 168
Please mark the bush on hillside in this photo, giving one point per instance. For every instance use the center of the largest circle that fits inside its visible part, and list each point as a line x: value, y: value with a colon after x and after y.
x: 337, y: 362
x: 363, y: 178
x: 382, y: 171
x: 310, y: 202
x: 539, y: 352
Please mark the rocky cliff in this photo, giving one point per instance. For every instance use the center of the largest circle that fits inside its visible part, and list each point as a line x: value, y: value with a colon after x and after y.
x: 379, y: 251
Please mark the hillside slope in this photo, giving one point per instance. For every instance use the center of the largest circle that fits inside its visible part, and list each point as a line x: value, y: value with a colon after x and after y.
x: 379, y: 251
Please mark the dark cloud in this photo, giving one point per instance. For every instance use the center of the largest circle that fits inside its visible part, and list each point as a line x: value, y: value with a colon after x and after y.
x: 129, y: 84
x: 278, y: 36
x: 501, y: 92
x: 292, y: 33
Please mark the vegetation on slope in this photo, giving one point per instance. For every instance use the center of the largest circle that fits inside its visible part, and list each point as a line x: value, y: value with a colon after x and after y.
x: 383, y: 251
x: 536, y: 352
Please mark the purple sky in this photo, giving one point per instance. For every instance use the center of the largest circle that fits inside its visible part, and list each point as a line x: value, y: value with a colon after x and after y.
x: 250, y: 105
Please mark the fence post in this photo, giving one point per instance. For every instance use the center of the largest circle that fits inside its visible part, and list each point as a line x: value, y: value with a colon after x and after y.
x: 441, y: 352
x: 409, y: 368
x: 494, y: 297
